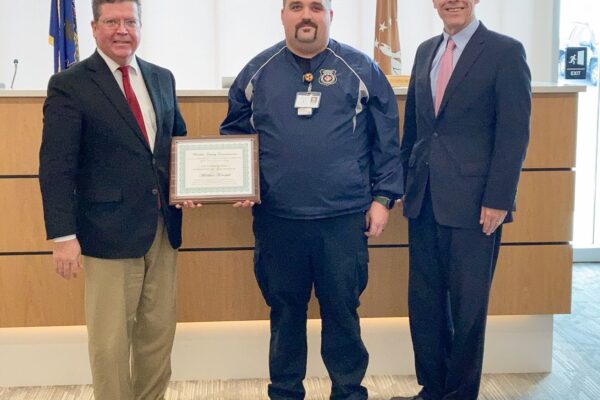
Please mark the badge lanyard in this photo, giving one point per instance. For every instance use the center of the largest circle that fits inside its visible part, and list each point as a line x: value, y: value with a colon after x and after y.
x: 307, y: 101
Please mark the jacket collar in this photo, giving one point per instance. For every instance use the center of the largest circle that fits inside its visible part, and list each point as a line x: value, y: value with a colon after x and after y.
x: 469, y: 55
x: 103, y: 77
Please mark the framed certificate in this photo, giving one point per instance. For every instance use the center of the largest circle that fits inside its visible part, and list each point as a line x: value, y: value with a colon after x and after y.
x: 216, y: 169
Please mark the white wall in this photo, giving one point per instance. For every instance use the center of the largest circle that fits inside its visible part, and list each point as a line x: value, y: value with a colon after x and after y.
x: 202, y: 40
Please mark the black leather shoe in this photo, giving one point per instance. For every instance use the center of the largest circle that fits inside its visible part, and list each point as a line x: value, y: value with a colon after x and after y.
x: 417, y: 397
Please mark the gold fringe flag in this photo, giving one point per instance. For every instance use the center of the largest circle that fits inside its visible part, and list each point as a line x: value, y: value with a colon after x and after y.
x: 387, y: 39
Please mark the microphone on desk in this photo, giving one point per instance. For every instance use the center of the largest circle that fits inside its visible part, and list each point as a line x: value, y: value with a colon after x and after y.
x: 16, y: 61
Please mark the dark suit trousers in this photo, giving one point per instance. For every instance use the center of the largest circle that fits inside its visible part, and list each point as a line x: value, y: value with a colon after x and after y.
x: 451, y: 271
x: 290, y: 257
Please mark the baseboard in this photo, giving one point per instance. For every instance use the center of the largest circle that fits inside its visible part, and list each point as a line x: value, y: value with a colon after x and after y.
x: 239, y: 350
x: 586, y: 254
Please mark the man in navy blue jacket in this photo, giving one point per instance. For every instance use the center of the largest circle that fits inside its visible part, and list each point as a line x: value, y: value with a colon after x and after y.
x: 330, y: 171
x: 466, y: 131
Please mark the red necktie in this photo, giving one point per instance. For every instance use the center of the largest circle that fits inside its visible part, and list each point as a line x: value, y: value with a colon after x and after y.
x: 135, y: 107
x: 132, y: 101
x: 444, y: 74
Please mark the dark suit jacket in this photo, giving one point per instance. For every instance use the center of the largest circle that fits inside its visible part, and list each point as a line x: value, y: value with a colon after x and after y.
x: 98, y: 176
x: 473, y: 151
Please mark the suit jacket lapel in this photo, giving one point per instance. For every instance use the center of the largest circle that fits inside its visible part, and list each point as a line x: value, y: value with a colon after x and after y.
x: 468, y: 57
x: 430, y: 54
x: 154, y: 90
x: 105, y: 80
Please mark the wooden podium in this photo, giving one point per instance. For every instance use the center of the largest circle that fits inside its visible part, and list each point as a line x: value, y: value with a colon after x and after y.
x: 216, y: 279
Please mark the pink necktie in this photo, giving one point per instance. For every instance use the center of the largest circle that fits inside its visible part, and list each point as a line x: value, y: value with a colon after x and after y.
x: 444, y: 74
x: 133, y: 101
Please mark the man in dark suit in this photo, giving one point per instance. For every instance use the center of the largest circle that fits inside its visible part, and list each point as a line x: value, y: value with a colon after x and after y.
x: 466, y: 131
x: 104, y: 173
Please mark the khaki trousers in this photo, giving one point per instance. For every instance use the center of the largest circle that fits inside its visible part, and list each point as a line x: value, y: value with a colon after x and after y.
x: 130, y: 316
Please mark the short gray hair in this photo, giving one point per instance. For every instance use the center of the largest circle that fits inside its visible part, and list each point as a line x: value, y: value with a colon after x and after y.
x: 328, y: 3
x: 97, y: 3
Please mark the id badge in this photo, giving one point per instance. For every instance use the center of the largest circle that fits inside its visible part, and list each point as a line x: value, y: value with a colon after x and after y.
x: 305, y: 111
x: 310, y: 100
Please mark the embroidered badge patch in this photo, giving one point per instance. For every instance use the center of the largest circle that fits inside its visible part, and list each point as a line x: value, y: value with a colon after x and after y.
x: 328, y: 77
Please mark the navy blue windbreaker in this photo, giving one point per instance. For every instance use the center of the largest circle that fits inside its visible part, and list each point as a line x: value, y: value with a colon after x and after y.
x: 333, y: 162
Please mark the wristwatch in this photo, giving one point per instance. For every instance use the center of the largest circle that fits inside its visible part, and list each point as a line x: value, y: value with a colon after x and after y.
x: 385, y: 201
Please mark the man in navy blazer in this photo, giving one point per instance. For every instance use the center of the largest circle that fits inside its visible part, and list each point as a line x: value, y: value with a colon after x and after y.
x: 461, y: 164
x: 104, y: 174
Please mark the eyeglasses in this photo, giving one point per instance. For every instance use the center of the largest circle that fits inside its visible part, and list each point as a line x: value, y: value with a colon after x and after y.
x: 114, y: 23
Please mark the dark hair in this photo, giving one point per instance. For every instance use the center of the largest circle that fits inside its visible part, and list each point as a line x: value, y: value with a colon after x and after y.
x: 97, y: 3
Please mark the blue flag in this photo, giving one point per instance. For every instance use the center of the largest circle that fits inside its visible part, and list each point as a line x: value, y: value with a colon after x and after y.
x: 63, y: 34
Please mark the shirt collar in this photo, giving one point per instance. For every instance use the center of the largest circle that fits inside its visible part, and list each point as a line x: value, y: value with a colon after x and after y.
x: 324, y: 51
x: 462, y: 38
x: 113, y: 66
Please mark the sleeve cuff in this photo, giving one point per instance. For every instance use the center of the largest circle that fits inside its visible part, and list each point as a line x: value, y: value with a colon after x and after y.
x: 64, y: 238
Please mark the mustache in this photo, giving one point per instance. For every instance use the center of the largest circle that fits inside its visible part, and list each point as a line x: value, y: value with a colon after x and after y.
x: 306, y: 22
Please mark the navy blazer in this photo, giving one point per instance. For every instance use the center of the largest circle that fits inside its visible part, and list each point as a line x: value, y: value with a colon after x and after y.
x: 473, y: 151
x: 98, y: 176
